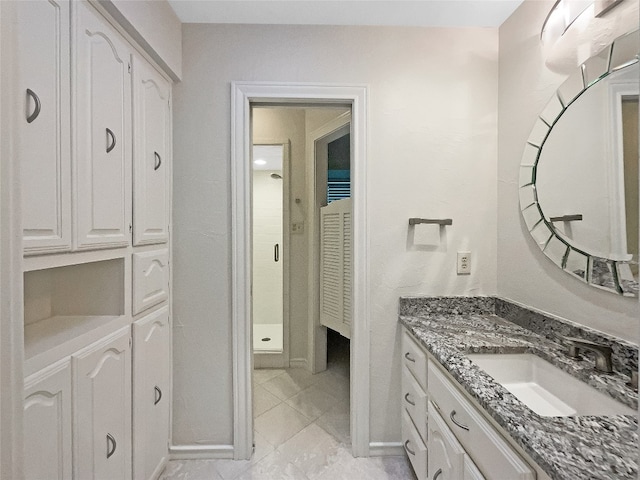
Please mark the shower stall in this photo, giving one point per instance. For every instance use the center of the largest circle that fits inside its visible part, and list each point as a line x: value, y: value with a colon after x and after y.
x: 268, y: 259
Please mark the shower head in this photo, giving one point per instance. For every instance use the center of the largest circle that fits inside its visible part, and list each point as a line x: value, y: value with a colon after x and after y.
x: 276, y: 176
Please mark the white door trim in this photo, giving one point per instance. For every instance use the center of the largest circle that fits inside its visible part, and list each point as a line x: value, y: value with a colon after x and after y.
x: 242, y: 95
x: 11, y: 280
x: 317, y: 337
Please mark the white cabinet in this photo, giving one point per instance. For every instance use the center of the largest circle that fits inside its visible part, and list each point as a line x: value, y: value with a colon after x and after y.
x: 150, y: 279
x: 446, y: 455
x: 43, y: 139
x: 102, y: 133
x: 151, y: 154
x: 102, y: 408
x: 47, y: 423
x: 151, y: 393
x: 460, y: 441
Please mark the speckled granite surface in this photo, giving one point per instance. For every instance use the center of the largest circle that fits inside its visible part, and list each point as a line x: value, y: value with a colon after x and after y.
x: 583, y: 447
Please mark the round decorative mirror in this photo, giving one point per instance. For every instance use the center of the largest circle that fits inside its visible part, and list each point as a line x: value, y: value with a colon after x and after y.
x: 579, y: 172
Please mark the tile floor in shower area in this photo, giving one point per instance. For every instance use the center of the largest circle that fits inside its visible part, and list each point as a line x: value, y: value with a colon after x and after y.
x: 301, y: 432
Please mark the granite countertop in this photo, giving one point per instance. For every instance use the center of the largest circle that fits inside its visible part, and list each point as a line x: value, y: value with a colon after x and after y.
x: 571, y: 448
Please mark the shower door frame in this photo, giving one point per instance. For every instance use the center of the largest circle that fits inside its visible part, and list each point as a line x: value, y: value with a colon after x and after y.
x: 243, y: 95
x: 285, y: 143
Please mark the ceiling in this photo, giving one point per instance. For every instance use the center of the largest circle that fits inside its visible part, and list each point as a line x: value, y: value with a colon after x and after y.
x: 423, y: 13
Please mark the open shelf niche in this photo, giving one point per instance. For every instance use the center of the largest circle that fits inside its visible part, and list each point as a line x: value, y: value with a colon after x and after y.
x: 69, y: 307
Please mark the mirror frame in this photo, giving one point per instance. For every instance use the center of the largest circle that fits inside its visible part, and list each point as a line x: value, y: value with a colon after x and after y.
x: 603, y: 273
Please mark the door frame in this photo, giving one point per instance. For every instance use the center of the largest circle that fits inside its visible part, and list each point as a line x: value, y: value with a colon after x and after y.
x: 285, y: 143
x: 11, y: 260
x: 316, y: 198
x: 243, y: 94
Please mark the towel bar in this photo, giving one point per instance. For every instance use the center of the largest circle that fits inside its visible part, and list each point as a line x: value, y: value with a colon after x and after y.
x: 441, y: 221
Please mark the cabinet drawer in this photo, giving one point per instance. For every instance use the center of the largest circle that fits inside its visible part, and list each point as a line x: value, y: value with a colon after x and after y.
x: 150, y: 279
x: 414, y: 446
x: 493, y: 456
x: 414, y: 358
x: 414, y: 399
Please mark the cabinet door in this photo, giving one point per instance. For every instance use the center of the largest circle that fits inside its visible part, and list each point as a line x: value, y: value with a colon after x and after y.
x: 446, y: 455
x: 151, y: 154
x: 151, y: 393
x: 42, y: 101
x: 102, y: 409
x: 47, y: 423
x: 103, y: 135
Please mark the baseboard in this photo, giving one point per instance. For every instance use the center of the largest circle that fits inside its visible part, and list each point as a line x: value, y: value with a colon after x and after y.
x: 268, y: 360
x: 298, y: 363
x: 200, y: 452
x: 386, y: 449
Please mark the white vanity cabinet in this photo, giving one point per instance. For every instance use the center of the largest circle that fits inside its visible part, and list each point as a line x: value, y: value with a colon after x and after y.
x: 151, y: 393
x: 102, y: 130
x: 47, y: 423
x: 102, y: 408
x: 151, y: 154
x: 42, y: 124
x: 461, y: 444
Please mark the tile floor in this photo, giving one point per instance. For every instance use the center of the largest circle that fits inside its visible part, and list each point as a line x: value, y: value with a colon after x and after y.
x: 301, y: 432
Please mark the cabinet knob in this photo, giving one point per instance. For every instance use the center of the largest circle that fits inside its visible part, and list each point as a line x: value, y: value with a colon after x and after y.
x: 36, y: 110
x: 111, y: 445
x: 111, y: 140
x: 158, y: 395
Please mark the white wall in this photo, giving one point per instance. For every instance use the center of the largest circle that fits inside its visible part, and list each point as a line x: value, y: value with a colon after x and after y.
x: 524, y: 273
x: 432, y: 153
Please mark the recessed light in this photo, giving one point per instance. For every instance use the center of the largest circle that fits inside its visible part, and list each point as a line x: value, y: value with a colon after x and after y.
x: 260, y: 162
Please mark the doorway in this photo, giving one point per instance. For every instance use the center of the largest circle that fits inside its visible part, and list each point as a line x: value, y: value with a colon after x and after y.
x: 244, y: 97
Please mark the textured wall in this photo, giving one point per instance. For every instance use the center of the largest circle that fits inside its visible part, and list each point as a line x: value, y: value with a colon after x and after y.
x: 524, y: 273
x: 432, y: 152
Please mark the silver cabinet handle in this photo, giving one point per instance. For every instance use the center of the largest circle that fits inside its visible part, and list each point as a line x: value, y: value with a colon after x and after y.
x: 453, y: 419
x: 406, y: 446
x: 276, y: 252
x: 36, y: 110
x: 111, y: 445
x: 158, y: 395
x: 158, y: 161
x: 111, y: 140
x: 437, y: 474
x: 406, y: 397
x: 409, y: 357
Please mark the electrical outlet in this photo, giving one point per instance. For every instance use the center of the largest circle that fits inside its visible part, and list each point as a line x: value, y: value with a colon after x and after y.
x: 297, y: 227
x: 464, y: 263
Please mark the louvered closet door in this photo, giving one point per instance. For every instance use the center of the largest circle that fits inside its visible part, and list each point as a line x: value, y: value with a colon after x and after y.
x: 335, y: 266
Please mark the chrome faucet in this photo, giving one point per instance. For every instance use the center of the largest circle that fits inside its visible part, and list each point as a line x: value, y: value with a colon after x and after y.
x: 601, y: 352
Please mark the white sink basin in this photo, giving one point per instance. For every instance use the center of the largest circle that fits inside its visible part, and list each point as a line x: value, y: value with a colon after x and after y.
x: 544, y: 388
